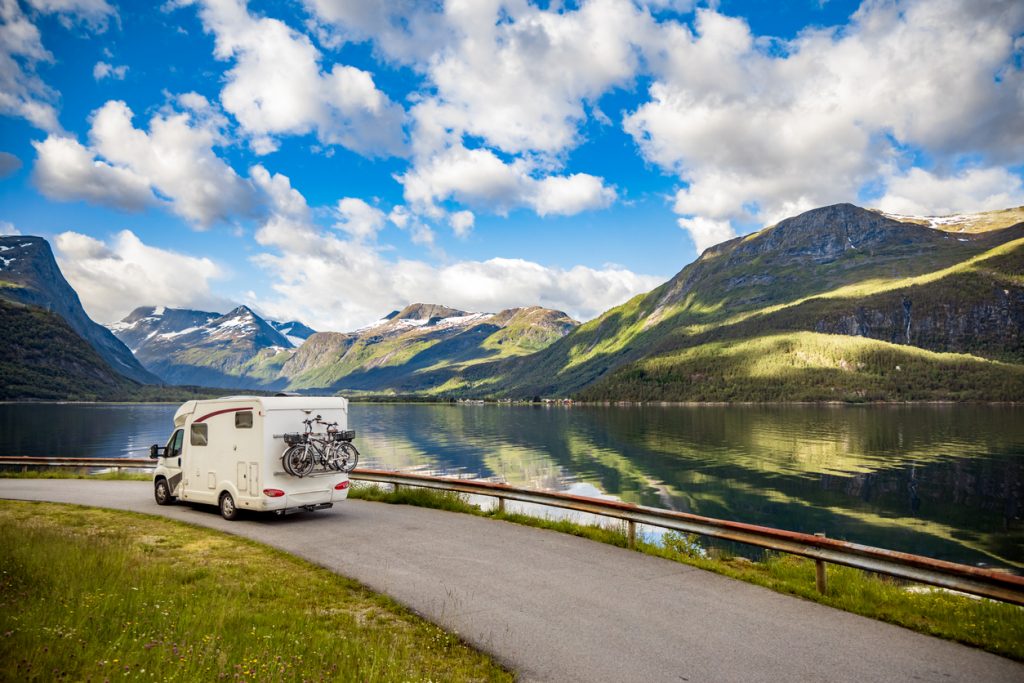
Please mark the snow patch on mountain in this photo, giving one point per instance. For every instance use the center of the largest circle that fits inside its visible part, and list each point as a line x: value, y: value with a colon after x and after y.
x: 934, y: 222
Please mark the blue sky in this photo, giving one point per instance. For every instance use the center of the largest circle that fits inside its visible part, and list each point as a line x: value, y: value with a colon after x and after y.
x: 331, y: 160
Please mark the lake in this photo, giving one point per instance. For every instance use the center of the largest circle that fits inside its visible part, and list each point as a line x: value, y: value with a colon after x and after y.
x: 938, y: 480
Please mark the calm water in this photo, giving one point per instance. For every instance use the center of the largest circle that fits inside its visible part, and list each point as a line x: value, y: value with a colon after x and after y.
x: 942, y: 481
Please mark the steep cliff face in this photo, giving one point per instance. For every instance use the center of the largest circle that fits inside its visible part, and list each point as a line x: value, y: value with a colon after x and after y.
x: 30, y: 275
x: 988, y: 324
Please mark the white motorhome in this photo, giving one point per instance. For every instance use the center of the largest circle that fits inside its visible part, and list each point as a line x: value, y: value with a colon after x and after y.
x: 227, y: 452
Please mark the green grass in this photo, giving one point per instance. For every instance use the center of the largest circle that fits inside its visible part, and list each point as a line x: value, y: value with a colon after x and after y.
x: 993, y: 626
x: 65, y: 473
x: 96, y: 595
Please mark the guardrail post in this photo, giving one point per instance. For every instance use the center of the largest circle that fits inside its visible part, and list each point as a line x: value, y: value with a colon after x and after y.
x: 501, y: 505
x: 396, y: 487
x: 631, y: 534
x: 820, y: 577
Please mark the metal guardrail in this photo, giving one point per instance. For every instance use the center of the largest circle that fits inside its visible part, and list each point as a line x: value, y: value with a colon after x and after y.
x: 81, y: 463
x: 987, y: 583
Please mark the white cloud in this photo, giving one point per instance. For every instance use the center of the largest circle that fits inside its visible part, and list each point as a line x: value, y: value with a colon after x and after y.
x: 918, y: 192
x: 518, y: 76
x: 568, y: 195
x: 7, y: 228
x: 359, y: 219
x: 478, y: 178
x: 462, y: 222
x: 335, y: 283
x: 66, y: 170
x: 114, y: 278
x: 125, y: 165
x: 277, y: 87
x: 706, y: 232
x: 22, y: 92
x: 758, y: 130
x: 345, y: 285
x: 95, y: 14
x: 405, y: 31
x: 104, y: 70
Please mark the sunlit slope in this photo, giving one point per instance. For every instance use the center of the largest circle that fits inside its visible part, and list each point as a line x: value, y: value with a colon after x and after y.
x: 839, y: 270
x: 807, y: 366
x: 420, y: 348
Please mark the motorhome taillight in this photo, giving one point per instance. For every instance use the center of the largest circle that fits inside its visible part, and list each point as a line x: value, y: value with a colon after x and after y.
x: 341, y: 486
x: 273, y: 493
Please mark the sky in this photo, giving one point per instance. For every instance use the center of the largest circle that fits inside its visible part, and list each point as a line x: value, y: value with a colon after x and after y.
x: 333, y: 160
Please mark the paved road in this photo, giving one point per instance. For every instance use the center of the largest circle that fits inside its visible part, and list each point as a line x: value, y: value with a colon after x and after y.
x: 558, y: 608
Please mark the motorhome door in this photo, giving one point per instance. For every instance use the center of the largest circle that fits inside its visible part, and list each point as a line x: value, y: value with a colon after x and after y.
x: 172, y: 460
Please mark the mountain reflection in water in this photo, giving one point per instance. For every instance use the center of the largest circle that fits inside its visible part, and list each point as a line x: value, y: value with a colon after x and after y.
x: 938, y: 480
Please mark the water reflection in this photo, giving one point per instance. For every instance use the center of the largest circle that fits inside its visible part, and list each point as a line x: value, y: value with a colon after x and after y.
x: 942, y: 481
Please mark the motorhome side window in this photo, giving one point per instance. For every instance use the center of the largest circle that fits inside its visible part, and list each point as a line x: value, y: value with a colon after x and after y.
x: 243, y: 420
x: 174, y: 445
x: 198, y: 436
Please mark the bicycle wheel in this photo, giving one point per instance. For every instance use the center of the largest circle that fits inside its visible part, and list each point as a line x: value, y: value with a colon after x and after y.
x: 349, y: 456
x: 298, y: 461
x: 308, y: 461
x: 286, y: 459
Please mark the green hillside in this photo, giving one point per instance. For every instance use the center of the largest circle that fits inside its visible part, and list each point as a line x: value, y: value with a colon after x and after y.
x: 841, y: 272
x: 41, y: 357
x: 416, y: 351
x: 806, y: 366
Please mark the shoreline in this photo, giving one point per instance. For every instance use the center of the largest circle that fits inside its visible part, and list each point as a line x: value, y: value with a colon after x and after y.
x: 567, y: 403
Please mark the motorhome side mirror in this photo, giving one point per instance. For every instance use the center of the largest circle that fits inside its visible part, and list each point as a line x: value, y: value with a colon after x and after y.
x: 154, y: 451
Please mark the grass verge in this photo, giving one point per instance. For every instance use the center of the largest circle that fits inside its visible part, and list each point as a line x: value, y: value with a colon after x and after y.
x: 69, y: 474
x: 92, y: 595
x: 993, y: 626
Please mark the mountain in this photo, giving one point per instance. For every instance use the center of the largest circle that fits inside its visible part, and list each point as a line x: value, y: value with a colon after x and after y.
x: 790, y: 312
x: 158, y: 324
x: 41, y: 357
x: 420, y: 348
x: 183, y: 346
x: 29, y: 275
x: 240, y: 349
x: 293, y: 331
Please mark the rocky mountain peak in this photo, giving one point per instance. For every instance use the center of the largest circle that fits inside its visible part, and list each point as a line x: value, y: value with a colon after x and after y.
x: 242, y: 311
x: 426, y: 312
x: 824, y: 234
x: 31, y: 276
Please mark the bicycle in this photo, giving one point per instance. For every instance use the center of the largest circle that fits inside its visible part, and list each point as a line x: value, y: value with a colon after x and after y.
x: 331, y: 450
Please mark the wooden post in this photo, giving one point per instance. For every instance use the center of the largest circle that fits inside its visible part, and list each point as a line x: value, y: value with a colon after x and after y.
x: 396, y: 487
x: 631, y: 534
x: 501, y: 505
x: 820, y: 577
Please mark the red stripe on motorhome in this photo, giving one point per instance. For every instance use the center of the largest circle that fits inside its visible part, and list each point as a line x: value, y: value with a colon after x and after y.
x: 221, y: 412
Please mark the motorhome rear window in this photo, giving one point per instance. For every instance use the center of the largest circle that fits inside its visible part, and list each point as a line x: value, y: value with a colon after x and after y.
x: 198, y: 436
x: 243, y: 420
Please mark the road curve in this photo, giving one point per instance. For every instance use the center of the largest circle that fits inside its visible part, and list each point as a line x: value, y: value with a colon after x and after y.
x: 554, y: 607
